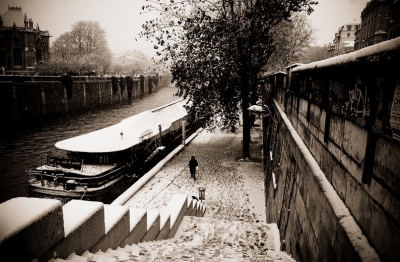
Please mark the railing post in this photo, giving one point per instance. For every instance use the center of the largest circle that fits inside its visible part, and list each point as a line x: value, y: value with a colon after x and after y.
x: 183, y: 132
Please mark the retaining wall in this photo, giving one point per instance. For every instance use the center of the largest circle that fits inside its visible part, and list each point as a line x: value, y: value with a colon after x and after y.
x: 333, y: 150
x: 32, y: 97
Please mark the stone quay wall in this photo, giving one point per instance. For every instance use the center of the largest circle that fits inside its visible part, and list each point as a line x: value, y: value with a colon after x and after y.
x: 32, y: 97
x: 332, y: 156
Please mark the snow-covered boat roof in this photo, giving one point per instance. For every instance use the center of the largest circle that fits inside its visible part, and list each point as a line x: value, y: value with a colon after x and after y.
x: 172, y: 112
x: 127, y: 133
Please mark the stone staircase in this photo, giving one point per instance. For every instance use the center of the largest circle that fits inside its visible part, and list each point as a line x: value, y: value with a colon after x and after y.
x: 36, y: 229
x: 33, y: 229
x: 201, y: 239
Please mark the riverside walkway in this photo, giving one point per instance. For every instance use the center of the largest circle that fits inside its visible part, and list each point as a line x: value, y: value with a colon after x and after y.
x: 234, y: 189
x: 234, y: 226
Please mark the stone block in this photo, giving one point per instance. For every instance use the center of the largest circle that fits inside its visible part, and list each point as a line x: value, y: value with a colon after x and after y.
x: 315, y: 217
x: 303, y: 107
x: 326, y: 163
x: 326, y: 250
x: 354, y: 141
x: 137, y: 226
x: 352, y: 167
x: 381, y: 232
x: 29, y: 227
x: 117, y: 228
x: 153, y: 225
x: 83, y: 228
x: 329, y: 220
x: 384, y: 198
x: 322, y: 120
x: 314, y: 131
x: 315, y: 148
x: 339, y: 179
x: 336, y: 129
x: 387, y: 164
x: 165, y: 225
x: 357, y: 202
x: 176, y: 207
x: 334, y: 149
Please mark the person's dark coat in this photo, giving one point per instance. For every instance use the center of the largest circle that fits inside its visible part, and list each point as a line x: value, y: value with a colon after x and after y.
x: 192, y: 165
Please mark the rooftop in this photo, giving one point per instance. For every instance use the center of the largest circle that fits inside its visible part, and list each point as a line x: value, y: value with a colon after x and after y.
x: 13, y: 15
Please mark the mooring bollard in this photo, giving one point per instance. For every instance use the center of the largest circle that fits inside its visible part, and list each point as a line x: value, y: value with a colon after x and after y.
x: 202, y: 193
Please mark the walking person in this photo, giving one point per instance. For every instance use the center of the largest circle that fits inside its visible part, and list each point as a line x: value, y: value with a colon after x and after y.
x: 192, y: 167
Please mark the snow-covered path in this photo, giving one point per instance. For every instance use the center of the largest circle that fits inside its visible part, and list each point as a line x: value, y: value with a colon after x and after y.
x: 234, y: 189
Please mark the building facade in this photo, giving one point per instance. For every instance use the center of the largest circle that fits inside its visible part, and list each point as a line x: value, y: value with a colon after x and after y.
x: 344, y: 39
x: 380, y: 22
x: 22, y: 46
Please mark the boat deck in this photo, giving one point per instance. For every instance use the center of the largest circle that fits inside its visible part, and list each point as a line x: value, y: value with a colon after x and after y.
x: 86, y: 170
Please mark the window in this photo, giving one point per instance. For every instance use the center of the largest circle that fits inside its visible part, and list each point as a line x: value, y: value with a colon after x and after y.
x: 2, y: 57
x: 348, y: 34
x: 16, y: 46
x: 349, y: 27
x: 38, y: 55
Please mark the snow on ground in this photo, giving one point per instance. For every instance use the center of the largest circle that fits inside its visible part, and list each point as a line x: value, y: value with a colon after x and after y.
x: 234, y: 189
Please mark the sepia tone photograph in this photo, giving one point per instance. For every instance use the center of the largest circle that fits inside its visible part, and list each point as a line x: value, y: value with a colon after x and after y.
x: 200, y: 130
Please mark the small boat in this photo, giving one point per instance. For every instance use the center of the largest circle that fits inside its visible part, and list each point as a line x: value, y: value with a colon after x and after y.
x: 100, y: 165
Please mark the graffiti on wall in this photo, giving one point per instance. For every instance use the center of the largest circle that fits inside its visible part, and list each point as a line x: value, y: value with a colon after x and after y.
x: 395, y: 113
x: 350, y: 103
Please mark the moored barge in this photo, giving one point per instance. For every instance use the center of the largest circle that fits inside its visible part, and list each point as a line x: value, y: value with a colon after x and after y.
x: 100, y: 165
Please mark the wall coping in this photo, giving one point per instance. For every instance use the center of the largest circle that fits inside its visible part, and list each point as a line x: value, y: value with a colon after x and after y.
x: 113, y: 214
x: 77, y: 212
x: 19, y: 213
x: 383, y: 47
x: 174, y: 207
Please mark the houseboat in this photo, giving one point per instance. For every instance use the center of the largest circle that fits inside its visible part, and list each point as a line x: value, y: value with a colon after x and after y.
x: 100, y: 165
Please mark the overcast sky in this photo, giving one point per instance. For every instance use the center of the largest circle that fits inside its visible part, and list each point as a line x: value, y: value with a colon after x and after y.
x: 121, y: 19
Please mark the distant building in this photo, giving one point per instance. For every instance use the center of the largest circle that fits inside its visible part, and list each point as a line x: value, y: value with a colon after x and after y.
x: 380, y: 22
x: 22, y: 46
x: 344, y: 39
x: 394, y: 22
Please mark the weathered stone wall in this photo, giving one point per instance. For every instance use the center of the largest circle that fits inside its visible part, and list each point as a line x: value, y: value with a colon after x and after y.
x: 32, y: 97
x: 346, y: 112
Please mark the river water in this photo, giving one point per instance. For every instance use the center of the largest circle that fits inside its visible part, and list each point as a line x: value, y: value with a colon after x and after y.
x: 27, y: 148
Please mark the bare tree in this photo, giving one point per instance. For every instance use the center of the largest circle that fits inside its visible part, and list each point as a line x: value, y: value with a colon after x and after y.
x: 316, y: 53
x: 291, y: 39
x: 83, y: 49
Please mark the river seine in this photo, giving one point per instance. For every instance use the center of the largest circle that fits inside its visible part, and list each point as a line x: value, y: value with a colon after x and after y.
x: 27, y: 149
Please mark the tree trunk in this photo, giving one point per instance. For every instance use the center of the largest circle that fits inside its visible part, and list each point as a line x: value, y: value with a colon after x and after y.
x: 246, y: 119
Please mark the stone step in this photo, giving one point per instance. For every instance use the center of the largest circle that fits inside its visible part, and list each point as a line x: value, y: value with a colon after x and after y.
x: 123, y: 225
x: 206, y: 239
